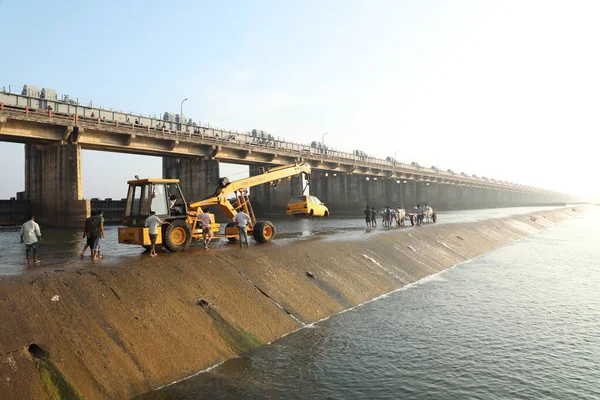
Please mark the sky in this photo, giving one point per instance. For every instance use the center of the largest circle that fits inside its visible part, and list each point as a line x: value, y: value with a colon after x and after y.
x: 504, y: 89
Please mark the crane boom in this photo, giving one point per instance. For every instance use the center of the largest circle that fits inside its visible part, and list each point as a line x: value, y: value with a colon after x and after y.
x: 273, y: 175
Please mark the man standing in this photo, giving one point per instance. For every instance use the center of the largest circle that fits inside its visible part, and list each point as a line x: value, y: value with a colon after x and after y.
x: 97, y: 229
x: 87, y: 234
x: 206, y: 222
x: 373, y: 217
x: 241, y: 220
x: 388, y: 217
x: 368, y: 217
x: 30, y: 234
x: 152, y: 223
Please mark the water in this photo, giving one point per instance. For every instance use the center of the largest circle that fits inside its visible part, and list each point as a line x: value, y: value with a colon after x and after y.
x: 61, y: 247
x: 521, y: 322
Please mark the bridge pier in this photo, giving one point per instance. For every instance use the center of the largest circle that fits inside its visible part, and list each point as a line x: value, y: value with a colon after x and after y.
x: 393, y: 193
x: 198, y: 177
x: 430, y: 194
x: 410, y: 195
x: 447, y: 197
x: 269, y: 201
x: 343, y: 194
x: 53, y: 184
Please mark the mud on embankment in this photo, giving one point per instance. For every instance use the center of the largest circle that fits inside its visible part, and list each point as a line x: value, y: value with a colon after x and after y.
x: 120, y: 331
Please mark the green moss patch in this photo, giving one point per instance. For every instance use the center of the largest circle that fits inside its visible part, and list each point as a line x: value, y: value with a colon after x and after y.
x: 56, y: 384
x: 238, y: 339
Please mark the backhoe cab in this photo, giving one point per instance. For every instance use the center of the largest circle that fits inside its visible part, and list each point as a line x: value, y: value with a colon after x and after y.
x: 164, y: 197
x: 182, y: 224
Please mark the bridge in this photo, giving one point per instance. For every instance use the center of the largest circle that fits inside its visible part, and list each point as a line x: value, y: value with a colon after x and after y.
x: 55, y: 131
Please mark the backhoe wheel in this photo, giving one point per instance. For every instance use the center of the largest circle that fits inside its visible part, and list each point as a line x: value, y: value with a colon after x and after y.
x: 264, y: 231
x: 434, y: 217
x: 177, y: 236
x: 413, y: 220
x: 231, y: 239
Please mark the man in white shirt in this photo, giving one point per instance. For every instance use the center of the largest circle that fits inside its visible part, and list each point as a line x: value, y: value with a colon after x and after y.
x: 30, y: 234
x: 206, y: 222
x: 152, y: 223
x: 241, y: 220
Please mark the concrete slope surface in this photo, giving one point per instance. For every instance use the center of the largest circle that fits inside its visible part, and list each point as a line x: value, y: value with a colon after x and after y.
x: 115, y: 332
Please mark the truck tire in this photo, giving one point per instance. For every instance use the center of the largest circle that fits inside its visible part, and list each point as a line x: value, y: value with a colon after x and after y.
x: 231, y: 225
x: 177, y: 236
x: 263, y: 231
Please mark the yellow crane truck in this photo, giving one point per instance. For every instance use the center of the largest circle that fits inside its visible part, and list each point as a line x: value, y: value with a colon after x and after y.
x: 181, y: 219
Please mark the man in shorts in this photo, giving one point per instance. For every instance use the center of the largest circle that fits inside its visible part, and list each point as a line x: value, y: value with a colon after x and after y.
x: 368, y: 217
x: 30, y: 234
x: 152, y: 223
x: 97, y: 230
x: 206, y: 222
x: 87, y: 235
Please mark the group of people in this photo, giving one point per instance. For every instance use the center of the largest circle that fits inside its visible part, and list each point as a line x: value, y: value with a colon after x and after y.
x: 93, y: 231
x: 240, y: 220
x: 422, y: 213
x: 388, y: 216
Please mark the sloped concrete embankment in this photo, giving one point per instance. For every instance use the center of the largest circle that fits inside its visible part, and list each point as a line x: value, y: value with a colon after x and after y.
x: 120, y: 331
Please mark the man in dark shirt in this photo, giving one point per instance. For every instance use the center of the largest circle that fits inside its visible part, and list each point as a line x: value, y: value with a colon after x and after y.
x: 368, y: 217
x: 373, y: 217
x: 89, y: 238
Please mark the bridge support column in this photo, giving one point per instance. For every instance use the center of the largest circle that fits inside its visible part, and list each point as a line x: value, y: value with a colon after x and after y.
x: 53, y: 184
x: 448, y: 197
x: 431, y: 194
x: 198, y: 177
x: 269, y: 201
x: 409, y: 195
x: 393, y: 192
x: 343, y: 194
x: 421, y: 192
x: 376, y: 194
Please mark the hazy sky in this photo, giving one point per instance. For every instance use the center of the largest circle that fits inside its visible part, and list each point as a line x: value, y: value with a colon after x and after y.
x: 506, y: 89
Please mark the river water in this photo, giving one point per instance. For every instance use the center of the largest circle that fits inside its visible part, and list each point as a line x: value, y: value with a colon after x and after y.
x: 61, y: 247
x: 521, y: 322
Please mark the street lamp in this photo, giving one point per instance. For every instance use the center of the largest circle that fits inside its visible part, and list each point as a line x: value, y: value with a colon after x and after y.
x: 181, y: 114
x: 323, y: 137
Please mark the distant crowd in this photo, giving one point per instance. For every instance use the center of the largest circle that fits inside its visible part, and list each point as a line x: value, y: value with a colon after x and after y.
x: 397, y: 216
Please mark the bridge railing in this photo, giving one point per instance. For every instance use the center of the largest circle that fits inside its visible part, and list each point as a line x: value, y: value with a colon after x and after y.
x: 72, y: 108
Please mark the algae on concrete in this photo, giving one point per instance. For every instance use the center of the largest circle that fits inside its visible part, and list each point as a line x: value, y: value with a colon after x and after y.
x: 238, y: 339
x: 56, y: 384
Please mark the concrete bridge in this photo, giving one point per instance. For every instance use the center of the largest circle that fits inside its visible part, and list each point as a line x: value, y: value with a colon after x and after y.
x: 54, y: 132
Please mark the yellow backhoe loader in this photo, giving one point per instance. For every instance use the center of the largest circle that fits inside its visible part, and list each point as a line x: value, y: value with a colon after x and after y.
x: 182, y: 223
